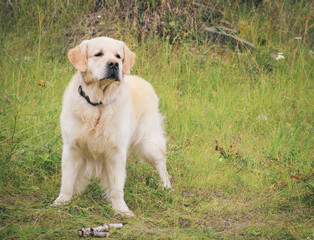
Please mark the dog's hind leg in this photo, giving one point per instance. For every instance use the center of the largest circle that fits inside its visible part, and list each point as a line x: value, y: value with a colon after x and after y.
x: 153, y: 151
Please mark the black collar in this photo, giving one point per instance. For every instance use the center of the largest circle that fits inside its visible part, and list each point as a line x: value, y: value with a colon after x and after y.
x: 82, y: 93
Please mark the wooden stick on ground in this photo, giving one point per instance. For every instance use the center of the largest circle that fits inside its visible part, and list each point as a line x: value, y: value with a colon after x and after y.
x: 101, y: 231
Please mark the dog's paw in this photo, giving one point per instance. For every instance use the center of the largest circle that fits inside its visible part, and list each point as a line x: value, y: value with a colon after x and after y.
x: 125, y: 213
x: 60, y: 201
x: 58, y: 204
x: 167, y: 186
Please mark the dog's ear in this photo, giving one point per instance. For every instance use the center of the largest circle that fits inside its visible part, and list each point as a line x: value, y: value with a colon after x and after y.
x: 78, y: 56
x: 128, y: 59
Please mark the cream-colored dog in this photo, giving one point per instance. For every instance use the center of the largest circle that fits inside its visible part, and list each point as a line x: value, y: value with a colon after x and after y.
x: 105, y: 112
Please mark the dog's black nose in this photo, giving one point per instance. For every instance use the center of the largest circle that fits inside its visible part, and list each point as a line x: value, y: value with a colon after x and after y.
x: 112, y: 64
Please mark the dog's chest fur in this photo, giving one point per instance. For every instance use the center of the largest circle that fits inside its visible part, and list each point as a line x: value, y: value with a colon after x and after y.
x: 101, y: 129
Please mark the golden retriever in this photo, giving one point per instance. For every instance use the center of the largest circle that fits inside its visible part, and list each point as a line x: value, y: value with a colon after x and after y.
x: 105, y: 112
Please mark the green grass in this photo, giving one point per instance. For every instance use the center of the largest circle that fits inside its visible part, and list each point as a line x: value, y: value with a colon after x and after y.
x: 261, y: 187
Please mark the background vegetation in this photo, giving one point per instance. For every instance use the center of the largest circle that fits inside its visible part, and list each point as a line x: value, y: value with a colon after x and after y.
x: 239, y: 123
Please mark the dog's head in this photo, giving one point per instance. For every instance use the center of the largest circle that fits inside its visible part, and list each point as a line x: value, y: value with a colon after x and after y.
x: 102, y: 59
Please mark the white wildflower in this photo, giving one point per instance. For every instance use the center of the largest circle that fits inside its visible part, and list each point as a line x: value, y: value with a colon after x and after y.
x: 280, y: 56
x: 262, y: 117
x: 98, y: 16
x: 27, y: 58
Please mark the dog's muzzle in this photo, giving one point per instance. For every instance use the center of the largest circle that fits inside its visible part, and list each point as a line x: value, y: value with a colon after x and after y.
x: 112, y: 71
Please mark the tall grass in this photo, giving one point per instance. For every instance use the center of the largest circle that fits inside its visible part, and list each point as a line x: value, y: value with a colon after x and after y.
x: 255, y: 110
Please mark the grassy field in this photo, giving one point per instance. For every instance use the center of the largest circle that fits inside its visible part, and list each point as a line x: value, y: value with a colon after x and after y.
x: 239, y: 123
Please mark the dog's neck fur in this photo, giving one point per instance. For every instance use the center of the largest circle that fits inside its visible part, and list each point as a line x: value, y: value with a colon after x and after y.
x: 104, y: 91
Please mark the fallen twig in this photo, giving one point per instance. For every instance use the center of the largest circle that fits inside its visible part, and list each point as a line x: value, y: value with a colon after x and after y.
x: 213, y: 31
x: 101, y: 231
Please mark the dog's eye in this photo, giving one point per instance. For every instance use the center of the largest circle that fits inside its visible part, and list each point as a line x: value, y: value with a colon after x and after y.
x: 118, y: 56
x: 98, y: 54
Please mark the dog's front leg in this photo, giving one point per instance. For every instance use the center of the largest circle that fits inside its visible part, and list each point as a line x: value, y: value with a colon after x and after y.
x: 71, y: 165
x: 113, y: 179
